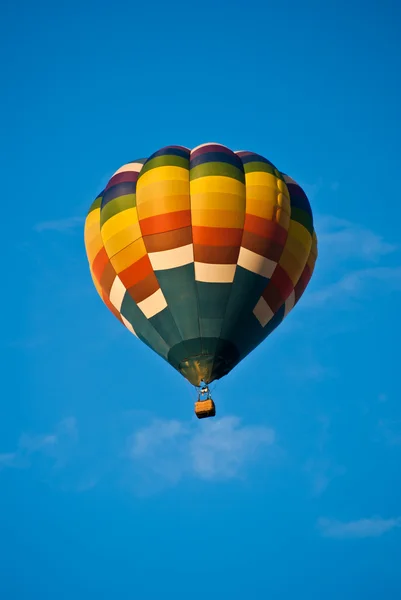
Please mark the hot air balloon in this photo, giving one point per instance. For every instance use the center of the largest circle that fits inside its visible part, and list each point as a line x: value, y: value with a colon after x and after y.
x: 201, y: 254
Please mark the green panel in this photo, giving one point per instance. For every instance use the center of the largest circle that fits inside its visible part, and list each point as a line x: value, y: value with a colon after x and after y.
x: 247, y: 288
x: 165, y: 325
x: 302, y: 217
x: 211, y: 327
x: 250, y: 333
x: 95, y: 204
x: 223, y: 169
x: 168, y: 160
x: 178, y: 287
x: 142, y: 327
x: 252, y: 167
x: 213, y: 298
x: 116, y: 206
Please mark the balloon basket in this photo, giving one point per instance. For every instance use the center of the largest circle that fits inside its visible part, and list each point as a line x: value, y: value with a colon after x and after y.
x: 205, y: 408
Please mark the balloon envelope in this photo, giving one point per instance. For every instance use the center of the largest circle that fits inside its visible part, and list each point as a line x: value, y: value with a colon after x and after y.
x: 201, y: 253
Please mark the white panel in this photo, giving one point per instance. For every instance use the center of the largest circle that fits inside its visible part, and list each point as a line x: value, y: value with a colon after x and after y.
x: 170, y: 259
x: 289, y: 303
x: 214, y: 273
x: 135, y: 167
x: 117, y: 293
x: 128, y: 325
x: 263, y: 312
x: 257, y: 264
x: 153, y: 305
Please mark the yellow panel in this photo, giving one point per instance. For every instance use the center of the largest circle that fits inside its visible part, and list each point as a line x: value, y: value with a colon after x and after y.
x: 300, y: 233
x: 92, y: 218
x: 293, y: 265
x: 296, y: 247
x: 282, y: 186
x: 264, y: 208
x: 314, y: 244
x: 217, y: 184
x: 91, y: 232
x: 163, y: 205
x: 283, y: 218
x: 262, y: 193
x: 122, y: 239
x: 284, y: 202
x: 312, y: 260
x: 119, y: 222
x: 260, y: 178
x: 93, y: 247
x: 218, y: 218
x: 161, y: 174
x: 130, y: 255
x: 174, y: 187
x: 218, y: 201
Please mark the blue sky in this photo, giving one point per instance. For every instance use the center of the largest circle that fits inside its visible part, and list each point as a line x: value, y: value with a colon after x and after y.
x: 109, y: 486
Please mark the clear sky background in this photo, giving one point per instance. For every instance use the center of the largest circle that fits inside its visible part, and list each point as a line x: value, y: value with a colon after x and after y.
x: 110, y: 488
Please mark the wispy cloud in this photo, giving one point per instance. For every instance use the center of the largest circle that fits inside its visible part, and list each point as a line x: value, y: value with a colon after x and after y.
x: 7, y: 459
x: 354, y: 284
x: 349, y: 263
x: 322, y: 472
x: 341, y: 239
x: 390, y: 430
x: 220, y: 450
x: 309, y: 369
x: 62, y: 225
x: 322, y: 469
x: 363, y: 528
x: 29, y: 445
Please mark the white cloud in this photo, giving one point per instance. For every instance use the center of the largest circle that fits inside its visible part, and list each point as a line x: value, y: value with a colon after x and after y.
x: 341, y: 239
x: 221, y: 450
x: 364, y: 528
x: 7, y: 459
x: 310, y: 369
x: 354, y: 284
x: 322, y: 469
x: 30, y: 445
x: 61, y: 225
x: 390, y: 430
x: 214, y: 450
x: 349, y: 257
x: 322, y: 472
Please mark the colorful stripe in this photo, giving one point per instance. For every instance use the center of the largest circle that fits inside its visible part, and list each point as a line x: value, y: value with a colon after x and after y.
x: 201, y: 254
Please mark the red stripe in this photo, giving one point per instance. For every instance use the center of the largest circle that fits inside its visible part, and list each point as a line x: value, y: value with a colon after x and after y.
x: 265, y: 228
x: 302, y: 283
x: 210, y: 148
x: 111, y: 307
x: 282, y: 282
x: 273, y: 297
x: 122, y: 178
x: 100, y: 263
x: 166, y: 222
x: 216, y: 236
x: 136, y: 272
